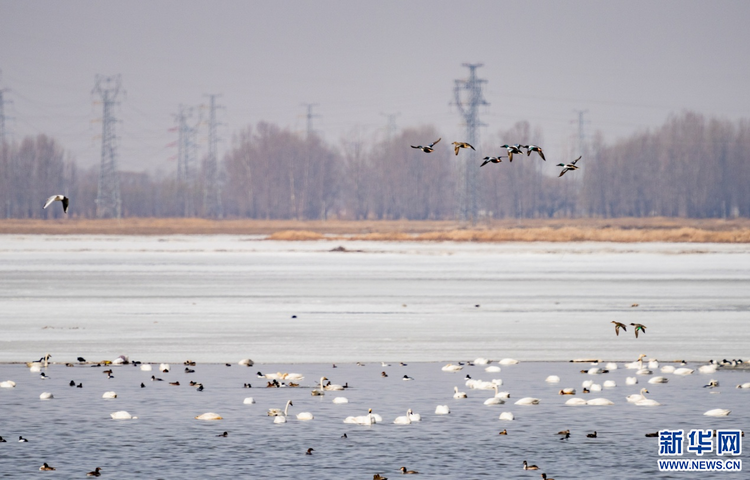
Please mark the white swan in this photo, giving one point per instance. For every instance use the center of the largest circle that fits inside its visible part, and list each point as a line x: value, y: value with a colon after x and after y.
x: 458, y: 394
x: 528, y: 401
x: 331, y: 387
x: 442, y: 410
x: 656, y: 380
x: 507, y: 416
x: 248, y: 401
x: 482, y: 385
x: 340, y: 400
x: 631, y: 381
x: 492, y: 369
x: 646, y: 402
x: 109, y: 395
x: 497, y: 381
x: 595, y: 387
x: 744, y: 385
x: 667, y: 369
x: 452, y: 368
x: 611, y: 366
x: 246, y: 362
x: 404, y: 420
x: 281, y: 418
x: 644, y: 371
x: 638, y: 364
x: 587, y: 383
x: 636, y: 397
x: 317, y: 392
x: 610, y: 384
x: 305, y: 416
x: 145, y: 367
x: 600, y: 402
x: 123, y: 415
x: 552, y: 379
x: 46, y: 396
x: 576, y: 402
x: 508, y: 361
x: 415, y: 417
x: 707, y: 368
x: 717, y: 412
x: 481, y: 361
x: 684, y: 371
x: 204, y: 416
x: 496, y: 400
x: 8, y: 384
x: 653, y: 364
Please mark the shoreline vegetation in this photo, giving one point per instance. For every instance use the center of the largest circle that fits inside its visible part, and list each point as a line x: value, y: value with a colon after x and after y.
x: 618, y: 230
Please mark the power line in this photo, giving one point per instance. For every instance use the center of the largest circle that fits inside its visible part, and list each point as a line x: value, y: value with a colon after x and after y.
x: 211, y: 192
x: 467, y: 185
x: 108, y: 203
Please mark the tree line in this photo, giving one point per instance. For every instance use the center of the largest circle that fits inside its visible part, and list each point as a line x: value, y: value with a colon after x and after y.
x: 689, y: 167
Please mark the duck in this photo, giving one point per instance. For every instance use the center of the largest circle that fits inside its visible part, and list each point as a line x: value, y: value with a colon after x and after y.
x: 567, y: 391
x: 563, y: 432
x: 567, y: 436
x: 711, y: 384
x: 189, y: 370
x: 22, y: 440
x: 154, y: 379
x: 652, y: 435
x: 58, y: 198
x: 46, y: 468
x: 458, y: 394
x: 459, y: 145
x: 2, y: 440
x: 511, y: 150
x: 407, y: 377
x: 568, y: 166
x: 618, y: 326
x: 591, y: 435
x: 225, y: 434
x: 429, y: 148
x: 383, y: 374
x: 175, y: 384
x: 639, y: 327
x: 526, y: 466
x: 586, y: 390
x: 408, y: 472
x: 497, y: 159
x: 309, y: 451
x: 534, y: 148
x: 95, y: 473
x: 504, y: 432
x: 377, y: 476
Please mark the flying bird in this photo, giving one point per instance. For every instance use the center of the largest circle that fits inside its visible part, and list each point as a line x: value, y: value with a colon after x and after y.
x: 568, y: 166
x: 58, y: 198
x: 429, y: 148
x: 492, y: 159
x: 534, y: 148
x: 511, y: 150
x: 638, y: 327
x: 459, y: 145
x: 618, y: 326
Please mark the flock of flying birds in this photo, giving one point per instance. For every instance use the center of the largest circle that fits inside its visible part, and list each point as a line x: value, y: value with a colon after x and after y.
x: 511, y: 149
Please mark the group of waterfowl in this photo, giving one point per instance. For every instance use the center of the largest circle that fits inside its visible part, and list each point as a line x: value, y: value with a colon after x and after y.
x: 638, y: 328
x: 516, y: 149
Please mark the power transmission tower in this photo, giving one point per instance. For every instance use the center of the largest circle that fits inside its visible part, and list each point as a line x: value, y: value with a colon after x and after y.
x: 581, y: 132
x: 187, y: 129
x: 391, y: 128
x: 310, y: 117
x: 2, y: 116
x: 211, y: 192
x: 468, y: 171
x: 108, y: 202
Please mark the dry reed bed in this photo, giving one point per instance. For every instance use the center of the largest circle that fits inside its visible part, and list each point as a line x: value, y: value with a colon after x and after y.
x: 510, y: 230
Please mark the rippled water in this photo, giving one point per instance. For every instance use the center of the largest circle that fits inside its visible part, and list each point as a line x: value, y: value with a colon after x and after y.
x: 74, y: 433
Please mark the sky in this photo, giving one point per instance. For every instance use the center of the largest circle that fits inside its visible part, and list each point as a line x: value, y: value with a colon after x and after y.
x: 628, y: 64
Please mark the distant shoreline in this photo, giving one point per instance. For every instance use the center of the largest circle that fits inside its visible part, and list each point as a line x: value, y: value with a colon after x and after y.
x: 619, y: 230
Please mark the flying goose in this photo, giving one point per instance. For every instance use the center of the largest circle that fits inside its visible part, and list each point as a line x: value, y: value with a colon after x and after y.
x: 568, y: 166
x: 459, y: 145
x: 58, y: 198
x: 429, y: 148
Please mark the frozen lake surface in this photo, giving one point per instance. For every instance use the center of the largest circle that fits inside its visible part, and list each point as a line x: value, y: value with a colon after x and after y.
x: 221, y: 298
x: 74, y: 432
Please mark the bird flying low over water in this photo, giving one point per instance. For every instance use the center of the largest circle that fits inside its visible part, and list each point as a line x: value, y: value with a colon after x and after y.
x: 492, y: 159
x: 568, y: 166
x: 459, y: 145
x: 618, y: 326
x: 429, y: 148
x: 58, y: 198
x: 511, y: 150
x: 638, y: 327
x: 534, y: 148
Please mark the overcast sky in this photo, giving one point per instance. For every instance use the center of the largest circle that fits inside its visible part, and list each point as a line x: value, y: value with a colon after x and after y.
x: 629, y: 64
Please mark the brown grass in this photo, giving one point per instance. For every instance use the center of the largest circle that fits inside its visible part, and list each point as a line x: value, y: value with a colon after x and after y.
x: 509, y: 230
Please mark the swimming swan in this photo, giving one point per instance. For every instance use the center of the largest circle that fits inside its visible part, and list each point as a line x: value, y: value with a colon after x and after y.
x: 658, y: 380
x: 528, y: 401
x: 109, y: 395
x: 249, y: 401
x: 646, y: 402
x: 599, y: 402
x: 442, y: 410
x: 636, y: 397
x: 452, y: 368
x: 304, y: 416
x: 507, y: 416
x: 8, y: 384
x: 458, y: 394
x: 496, y: 400
x: 340, y: 400
x: 123, y: 415
x: 404, y: 420
x: 552, y: 379
x: 576, y: 402
x: 278, y: 414
x: 717, y: 412
x: 631, y: 381
x: 46, y: 396
x: 207, y: 416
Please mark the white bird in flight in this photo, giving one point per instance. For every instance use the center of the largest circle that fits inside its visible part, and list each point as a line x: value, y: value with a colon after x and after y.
x: 58, y: 198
